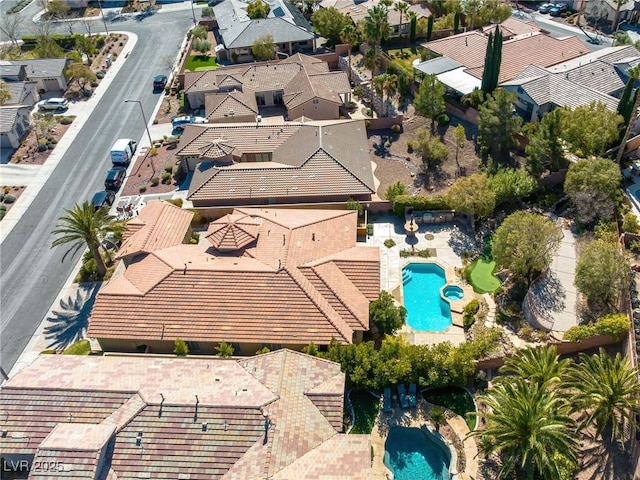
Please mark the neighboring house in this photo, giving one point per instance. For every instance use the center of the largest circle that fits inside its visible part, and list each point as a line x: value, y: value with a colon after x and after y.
x: 604, y: 11
x: 599, y: 76
x: 237, y: 32
x: 302, y: 84
x: 469, y: 50
x: 47, y: 73
x: 267, y: 164
x: 512, y: 28
x: 259, y: 277
x: 22, y: 93
x: 277, y: 415
x: 358, y: 10
x: 14, y: 125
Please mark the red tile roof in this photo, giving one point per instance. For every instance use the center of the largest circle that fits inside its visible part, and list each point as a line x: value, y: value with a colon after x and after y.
x: 159, y: 225
x: 300, y: 269
x: 187, y: 415
x: 537, y: 49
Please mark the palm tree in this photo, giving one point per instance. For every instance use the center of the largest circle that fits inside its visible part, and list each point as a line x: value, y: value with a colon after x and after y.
x: 402, y: 8
x: 607, y: 390
x: 437, y: 415
x: 372, y: 61
x: 385, y: 85
x: 350, y: 36
x: 376, y: 26
x: 528, y: 425
x: 83, y: 226
x: 538, y: 365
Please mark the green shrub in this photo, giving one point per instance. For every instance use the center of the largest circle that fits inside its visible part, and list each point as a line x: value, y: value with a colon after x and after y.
x: 389, y: 243
x: 100, y: 75
x: 395, y: 190
x: 369, y: 229
x: 2, y: 199
x: 82, y: 347
x: 94, y: 84
x: 614, y: 325
x: 579, y: 333
x: 469, y: 312
x: 166, y: 177
x: 630, y: 223
x: 66, y: 120
x: 180, y: 347
x: 142, y: 189
x: 155, y: 181
x: 48, y: 352
x: 419, y: 203
x: 443, y: 119
x: 9, y: 199
x: 396, y: 128
x: 176, y: 201
x: 100, y: 42
x: 168, y: 168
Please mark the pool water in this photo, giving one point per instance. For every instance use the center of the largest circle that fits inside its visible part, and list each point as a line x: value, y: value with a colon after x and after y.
x: 412, y: 455
x: 453, y: 292
x: 426, y: 310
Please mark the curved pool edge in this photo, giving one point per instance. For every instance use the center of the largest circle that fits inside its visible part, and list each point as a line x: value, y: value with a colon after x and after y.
x: 446, y: 445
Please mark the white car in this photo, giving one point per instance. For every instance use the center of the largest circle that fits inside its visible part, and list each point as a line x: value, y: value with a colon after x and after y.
x: 56, y: 104
x: 178, y: 123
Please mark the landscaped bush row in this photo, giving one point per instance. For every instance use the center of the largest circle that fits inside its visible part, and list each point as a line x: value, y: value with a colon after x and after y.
x: 19, y: 6
x: 614, y: 325
x: 399, y: 362
x: 419, y: 203
x: 65, y: 40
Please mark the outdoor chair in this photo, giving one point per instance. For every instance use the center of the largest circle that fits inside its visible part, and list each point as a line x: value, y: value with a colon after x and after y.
x: 413, y: 399
x: 402, y: 395
x: 386, y: 400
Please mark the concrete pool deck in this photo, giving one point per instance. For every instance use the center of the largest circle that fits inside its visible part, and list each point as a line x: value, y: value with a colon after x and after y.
x: 450, y: 244
x: 419, y: 418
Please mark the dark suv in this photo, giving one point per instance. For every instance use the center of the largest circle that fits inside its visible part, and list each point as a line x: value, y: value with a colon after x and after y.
x: 159, y: 82
x: 103, y: 199
x: 114, y: 179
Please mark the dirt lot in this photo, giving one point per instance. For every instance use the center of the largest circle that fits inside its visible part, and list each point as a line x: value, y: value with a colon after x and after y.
x: 394, y: 163
x: 28, y: 152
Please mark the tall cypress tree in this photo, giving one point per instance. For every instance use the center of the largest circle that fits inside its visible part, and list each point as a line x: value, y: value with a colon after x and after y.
x: 497, y: 59
x: 429, y: 27
x: 412, y: 29
x: 488, y: 65
x: 625, y: 105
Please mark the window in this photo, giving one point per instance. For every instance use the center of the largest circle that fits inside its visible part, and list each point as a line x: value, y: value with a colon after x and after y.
x: 194, y: 347
x: 19, y: 129
x: 316, y: 101
x: 277, y: 98
x: 260, y: 100
x: 236, y: 348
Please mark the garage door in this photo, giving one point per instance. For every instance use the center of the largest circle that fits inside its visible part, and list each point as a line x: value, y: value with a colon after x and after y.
x: 4, y: 141
x: 51, y: 85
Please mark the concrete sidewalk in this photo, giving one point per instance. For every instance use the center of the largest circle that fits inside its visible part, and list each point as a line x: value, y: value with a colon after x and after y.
x: 16, y: 174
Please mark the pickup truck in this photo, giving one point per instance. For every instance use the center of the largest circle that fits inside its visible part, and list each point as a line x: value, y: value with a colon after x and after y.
x: 178, y: 123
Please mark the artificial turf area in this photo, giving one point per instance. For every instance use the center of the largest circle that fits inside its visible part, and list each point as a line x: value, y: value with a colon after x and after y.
x: 481, y: 276
x: 201, y: 62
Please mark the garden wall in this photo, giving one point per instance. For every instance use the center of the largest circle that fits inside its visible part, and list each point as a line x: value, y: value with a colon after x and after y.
x: 470, y: 114
x: 564, y: 348
x: 384, y: 123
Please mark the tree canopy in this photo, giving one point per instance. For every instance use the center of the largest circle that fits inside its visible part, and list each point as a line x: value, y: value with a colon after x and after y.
x: 590, y: 129
x: 385, y: 315
x: 429, y: 101
x: 263, y: 48
x: 472, y: 195
x: 525, y: 243
x: 258, y: 9
x: 511, y: 185
x: 329, y: 23
x: 492, y: 61
x: 544, y: 150
x: 429, y: 147
x: 81, y: 74
x: 592, y: 184
x: 602, y: 273
x: 497, y: 125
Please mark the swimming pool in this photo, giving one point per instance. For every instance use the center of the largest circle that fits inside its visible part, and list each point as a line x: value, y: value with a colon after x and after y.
x: 453, y: 293
x: 411, y: 454
x: 426, y: 310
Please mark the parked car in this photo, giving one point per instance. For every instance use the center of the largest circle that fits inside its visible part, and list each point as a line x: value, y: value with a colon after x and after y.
x: 178, y: 123
x: 103, y: 199
x: 545, y: 7
x: 115, y: 178
x: 122, y: 151
x: 56, y: 104
x: 159, y: 82
x: 557, y: 10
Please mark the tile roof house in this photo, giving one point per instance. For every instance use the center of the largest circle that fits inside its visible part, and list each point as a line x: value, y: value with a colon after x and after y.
x: 302, y: 84
x: 275, y: 277
x: 277, y: 415
x: 532, y: 48
x: 14, y: 124
x: 285, y: 23
x: 599, y: 76
x: 257, y: 164
x: 22, y: 93
x: 357, y: 10
x: 47, y: 73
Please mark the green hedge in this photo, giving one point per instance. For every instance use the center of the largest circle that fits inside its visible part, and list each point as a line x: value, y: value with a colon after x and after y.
x: 614, y: 325
x: 65, y: 40
x: 420, y: 203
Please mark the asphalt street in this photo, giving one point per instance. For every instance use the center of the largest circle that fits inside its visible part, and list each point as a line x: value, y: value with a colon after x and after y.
x: 31, y: 273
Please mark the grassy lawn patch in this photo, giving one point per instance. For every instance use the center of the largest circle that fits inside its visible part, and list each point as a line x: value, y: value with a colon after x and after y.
x: 456, y: 399
x: 82, y: 347
x: 197, y: 63
x: 481, y: 276
x: 365, y: 407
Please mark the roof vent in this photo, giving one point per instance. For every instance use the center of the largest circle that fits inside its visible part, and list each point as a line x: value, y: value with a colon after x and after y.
x: 204, y: 426
x: 5, y: 432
